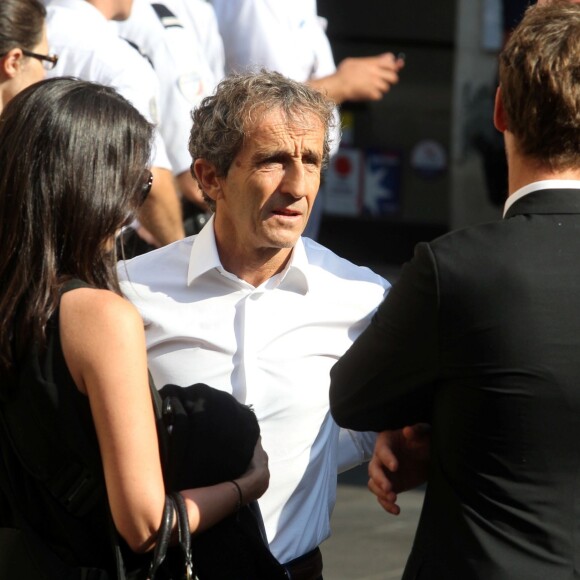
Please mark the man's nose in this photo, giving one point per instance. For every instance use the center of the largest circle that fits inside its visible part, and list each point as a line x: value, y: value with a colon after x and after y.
x: 294, y: 181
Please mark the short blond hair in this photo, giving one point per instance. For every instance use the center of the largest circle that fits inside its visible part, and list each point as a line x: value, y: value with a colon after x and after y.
x: 540, y: 83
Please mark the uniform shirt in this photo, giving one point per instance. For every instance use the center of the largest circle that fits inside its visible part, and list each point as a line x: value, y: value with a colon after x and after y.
x: 199, y: 16
x: 89, y: 49
x: 285, y: 36
x: 185, y: 76
x: 272, y: 347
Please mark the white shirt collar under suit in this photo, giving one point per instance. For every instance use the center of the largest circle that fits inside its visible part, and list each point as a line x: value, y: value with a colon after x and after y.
x: 537, y: 186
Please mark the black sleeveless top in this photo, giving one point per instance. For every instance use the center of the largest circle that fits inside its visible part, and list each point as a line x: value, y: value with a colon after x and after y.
x: 50, y: 418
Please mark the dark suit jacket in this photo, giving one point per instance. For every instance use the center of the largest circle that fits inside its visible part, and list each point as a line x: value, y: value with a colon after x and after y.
x: 481, y: 337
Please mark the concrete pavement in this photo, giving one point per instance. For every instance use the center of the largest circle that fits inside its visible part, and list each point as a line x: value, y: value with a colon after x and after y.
x: 367, y: 543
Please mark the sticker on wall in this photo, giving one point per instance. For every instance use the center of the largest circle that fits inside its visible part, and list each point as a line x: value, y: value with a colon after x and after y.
x: 429, y: 158
x: 382, y: 182
x: 342, y: 186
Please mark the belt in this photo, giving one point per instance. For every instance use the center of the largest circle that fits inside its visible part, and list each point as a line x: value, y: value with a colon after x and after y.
x: 306, y: 567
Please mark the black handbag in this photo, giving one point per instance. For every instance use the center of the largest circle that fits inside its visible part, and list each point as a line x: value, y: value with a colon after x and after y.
x: 207, y: 437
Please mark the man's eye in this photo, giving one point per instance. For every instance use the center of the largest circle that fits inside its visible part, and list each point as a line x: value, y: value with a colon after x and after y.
x: 311, y: 160
x: 272, y: 162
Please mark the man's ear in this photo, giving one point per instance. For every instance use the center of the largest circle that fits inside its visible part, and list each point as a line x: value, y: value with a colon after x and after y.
x: 11, y: 62
x: 499, y: 116
x: 206, y: 174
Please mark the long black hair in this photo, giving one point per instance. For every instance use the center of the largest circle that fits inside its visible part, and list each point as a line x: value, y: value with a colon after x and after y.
x: 73, y: 160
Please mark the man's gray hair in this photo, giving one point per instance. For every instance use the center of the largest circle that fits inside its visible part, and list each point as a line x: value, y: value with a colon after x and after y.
x: 223, y: 120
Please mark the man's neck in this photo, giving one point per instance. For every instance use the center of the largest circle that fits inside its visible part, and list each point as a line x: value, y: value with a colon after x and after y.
x: 522, y: 171
x: 519, y: 179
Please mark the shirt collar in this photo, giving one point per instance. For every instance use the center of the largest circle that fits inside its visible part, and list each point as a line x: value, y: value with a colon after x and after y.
x: 295, y: 276
x: 538, y: 185
x: 204, y: 257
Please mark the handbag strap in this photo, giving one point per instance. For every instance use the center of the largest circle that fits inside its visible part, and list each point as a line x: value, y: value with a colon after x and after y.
x: 184, y: 533
x: 163, y: 537
x: 174, y: 504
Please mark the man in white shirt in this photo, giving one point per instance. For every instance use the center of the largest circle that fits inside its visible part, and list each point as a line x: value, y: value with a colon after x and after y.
x: 78, y: 31
x: 250, y: 307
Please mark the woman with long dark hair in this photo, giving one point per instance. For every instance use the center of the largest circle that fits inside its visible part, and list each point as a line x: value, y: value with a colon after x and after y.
x: 74, y: 168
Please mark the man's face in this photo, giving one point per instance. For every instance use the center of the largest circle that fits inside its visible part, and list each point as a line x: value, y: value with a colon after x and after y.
x: 265, y: 199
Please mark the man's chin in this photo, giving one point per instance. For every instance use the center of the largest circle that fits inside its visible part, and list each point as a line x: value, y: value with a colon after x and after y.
x: 285, y: 242
x: 284, y: 237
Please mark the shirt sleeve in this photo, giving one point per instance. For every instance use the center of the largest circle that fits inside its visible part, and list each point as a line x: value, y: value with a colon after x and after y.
x: 354, y: 448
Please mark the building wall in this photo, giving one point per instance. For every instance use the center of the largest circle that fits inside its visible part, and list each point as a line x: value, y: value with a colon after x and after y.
x: 445, y: 97
x: 478, y: 39
x: 412, y: 121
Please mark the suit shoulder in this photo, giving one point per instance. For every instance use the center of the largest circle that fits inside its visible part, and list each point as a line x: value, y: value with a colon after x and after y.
x: 481, y: 234
x: 461, y: 257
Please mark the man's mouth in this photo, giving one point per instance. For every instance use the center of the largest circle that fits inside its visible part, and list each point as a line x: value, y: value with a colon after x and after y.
x: 286, y: 212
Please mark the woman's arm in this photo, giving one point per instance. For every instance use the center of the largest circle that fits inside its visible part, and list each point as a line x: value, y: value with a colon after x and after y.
x: 104, y: 347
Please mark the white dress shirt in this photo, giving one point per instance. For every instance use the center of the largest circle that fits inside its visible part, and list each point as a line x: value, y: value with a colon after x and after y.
x: 88, y: 48
x: 272, y: 347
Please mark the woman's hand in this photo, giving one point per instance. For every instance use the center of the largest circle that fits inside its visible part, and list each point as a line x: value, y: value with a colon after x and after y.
x: 254, y: 482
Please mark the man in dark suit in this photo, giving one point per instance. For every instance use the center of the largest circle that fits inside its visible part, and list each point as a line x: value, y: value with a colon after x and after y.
x: 481, y: 338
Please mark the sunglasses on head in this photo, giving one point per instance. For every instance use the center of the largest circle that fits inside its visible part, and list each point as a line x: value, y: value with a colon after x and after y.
x: 146, y: 187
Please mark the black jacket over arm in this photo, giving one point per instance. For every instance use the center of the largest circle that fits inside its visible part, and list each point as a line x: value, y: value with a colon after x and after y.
x: 481, y: 337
